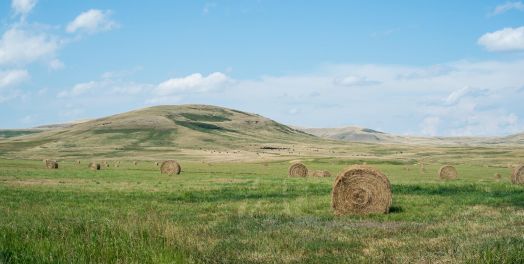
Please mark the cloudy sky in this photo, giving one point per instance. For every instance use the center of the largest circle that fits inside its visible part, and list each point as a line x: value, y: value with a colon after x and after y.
x: 437, y: 67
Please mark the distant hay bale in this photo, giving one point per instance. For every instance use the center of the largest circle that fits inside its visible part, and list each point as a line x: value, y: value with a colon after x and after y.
x: 498, y: 176
x: 518, y: 175
x: 447, y: 172
x: 297, y: 170
x: 51, y: 164
x: 116, y: 165
x: 94, y: 166
x: 321, y: 173
x: 107, y: 165
x: 78, y: 161
x: 157, y: 163
x: 361, y: 190
x: 135, y: 163
x: 170, y: 167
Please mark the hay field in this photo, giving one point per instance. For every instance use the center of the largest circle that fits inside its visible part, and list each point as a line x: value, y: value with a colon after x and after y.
x: 246, y: 212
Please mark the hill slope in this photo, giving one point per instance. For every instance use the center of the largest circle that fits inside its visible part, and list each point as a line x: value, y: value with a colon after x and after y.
x: 366, y: 135
x: 155, y: 129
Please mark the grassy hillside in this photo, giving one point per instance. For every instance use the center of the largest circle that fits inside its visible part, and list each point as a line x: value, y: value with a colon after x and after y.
x: 9, y: 133
x: 160, y: 129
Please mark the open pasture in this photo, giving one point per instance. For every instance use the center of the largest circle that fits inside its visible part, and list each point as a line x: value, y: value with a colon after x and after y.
x: 252, y: 212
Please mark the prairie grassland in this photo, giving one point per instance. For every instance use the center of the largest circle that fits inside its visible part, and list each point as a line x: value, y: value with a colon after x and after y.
x: 252, y: 212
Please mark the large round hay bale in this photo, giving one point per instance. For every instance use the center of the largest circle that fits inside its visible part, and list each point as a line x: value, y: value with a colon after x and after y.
x: 94, y: 166
x: 135, y: 163
x: 51, y: 164
x: 170, y: 167
x: 361, y: 190
x: 321, y: 173
x: 447, y: 172
x: 157, y: 163
x: 518, y: 175
x: 297, y: 170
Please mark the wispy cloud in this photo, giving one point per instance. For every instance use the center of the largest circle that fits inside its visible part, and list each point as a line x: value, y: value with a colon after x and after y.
x: 23, y: 7
x: 13, y: 77
x: 92, y: 21
x: 500, y: 9
x: 192, y: 83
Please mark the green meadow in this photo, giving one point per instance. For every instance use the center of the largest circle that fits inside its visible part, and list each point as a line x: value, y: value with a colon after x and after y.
x: 252, y: 213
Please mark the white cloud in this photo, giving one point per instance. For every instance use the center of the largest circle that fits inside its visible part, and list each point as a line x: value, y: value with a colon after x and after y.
x: 452, y: 99
x: 192, y: 83
x: 465, y: 91
x: 92, y: 21
x: 23, y: 7
x: 107, y: 86
x: 507, y: 39
x: 507, y: 7
x: 19, y: 47
x: 56, y: 64
x: 352, y: 80
x: 79, y: 89
x: 8, y: 78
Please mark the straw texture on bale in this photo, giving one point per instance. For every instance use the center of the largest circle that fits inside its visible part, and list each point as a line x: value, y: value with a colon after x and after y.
x: 518, y: 175
x: 51, y: 164
x: 170, y: 167
x: 447, y: 172
x: 297, y: 170
x: 361, y: 190
x: 321, y: 173
x: 94, y: 166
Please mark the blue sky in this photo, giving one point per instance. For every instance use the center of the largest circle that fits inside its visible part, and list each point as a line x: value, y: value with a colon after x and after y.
x: 444, y: 68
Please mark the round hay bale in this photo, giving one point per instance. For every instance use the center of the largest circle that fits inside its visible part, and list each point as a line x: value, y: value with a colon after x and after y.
x: 498, y: 176
x: 107, y: 165
x: 297, y: 170
x: 94, y: 166
x: 361, y: 190
x: 116, y: 165
x: 135, y: 163
x: 321, y: 173
x: 518, y: 175
x: 156, y: 163
x: 78, y: 161
x: 447, y: 172
x: 170, y: 167
x: 51, y: 164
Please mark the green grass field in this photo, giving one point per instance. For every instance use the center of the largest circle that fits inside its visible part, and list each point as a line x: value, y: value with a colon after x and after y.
x: 249, y: 212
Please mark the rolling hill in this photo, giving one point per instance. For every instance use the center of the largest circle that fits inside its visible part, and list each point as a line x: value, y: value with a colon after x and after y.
x: 154, y: 130
x: 366, y: 135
